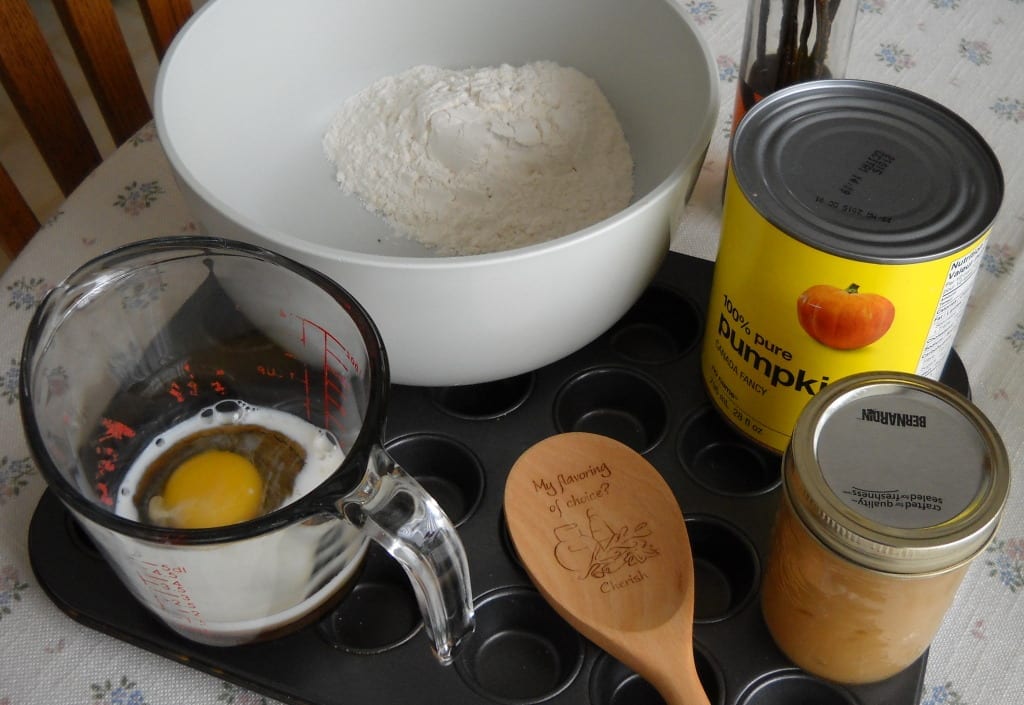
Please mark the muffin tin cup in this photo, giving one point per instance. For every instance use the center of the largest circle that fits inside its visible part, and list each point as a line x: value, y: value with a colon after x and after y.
x: 639, y: 383
x: 522, y: 652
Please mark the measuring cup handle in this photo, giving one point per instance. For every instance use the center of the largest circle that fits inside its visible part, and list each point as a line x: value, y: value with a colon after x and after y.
x: 396, y: 512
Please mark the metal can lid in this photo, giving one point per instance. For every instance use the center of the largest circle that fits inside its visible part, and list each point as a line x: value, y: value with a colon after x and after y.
x: 867, y: 171
x: 897, y: 473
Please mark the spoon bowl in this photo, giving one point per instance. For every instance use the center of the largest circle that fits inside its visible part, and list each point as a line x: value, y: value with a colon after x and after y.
x: 601, y: 535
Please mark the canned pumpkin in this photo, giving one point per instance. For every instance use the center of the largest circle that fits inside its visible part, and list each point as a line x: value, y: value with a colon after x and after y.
x: 854, y: 221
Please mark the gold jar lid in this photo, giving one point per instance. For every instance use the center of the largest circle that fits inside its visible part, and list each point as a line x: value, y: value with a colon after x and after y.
x: 897, y: 473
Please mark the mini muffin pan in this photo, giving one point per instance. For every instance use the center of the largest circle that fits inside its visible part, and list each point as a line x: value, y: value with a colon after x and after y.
x: 639, y: 383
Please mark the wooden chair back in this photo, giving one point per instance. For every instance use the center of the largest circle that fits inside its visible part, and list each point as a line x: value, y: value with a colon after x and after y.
x: 44, y: 102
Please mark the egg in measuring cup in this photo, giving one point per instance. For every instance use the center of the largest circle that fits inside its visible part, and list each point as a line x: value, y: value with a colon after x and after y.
x: 229, y: 463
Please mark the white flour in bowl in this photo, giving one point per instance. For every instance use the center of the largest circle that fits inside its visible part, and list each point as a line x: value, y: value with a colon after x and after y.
x: 482, y: 160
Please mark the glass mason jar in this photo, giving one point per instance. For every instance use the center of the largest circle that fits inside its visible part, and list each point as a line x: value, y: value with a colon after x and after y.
x: 791, y: 41
x: 892, y: 484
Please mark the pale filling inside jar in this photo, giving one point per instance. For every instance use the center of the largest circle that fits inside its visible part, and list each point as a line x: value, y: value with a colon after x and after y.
x: 843, y: 622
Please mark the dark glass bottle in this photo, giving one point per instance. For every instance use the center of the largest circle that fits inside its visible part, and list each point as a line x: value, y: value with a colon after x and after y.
x: 791, y: 41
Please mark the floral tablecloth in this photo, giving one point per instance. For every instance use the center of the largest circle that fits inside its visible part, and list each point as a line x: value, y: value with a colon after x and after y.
x: 966, y: 54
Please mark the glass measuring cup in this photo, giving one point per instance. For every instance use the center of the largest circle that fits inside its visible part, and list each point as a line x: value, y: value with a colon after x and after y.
x: 176, y: 345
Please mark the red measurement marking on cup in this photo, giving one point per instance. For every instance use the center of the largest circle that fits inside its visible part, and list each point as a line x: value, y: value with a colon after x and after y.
x: 164, y: 583
x: 286, y: 373
x: 190, y: 386
x: 107, y: 455
x: 336, y: 361
x: 279, y: 371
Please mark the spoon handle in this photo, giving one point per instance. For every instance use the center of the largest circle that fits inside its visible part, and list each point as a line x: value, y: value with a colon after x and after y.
x: 663, y: 656
x: 675, y: 688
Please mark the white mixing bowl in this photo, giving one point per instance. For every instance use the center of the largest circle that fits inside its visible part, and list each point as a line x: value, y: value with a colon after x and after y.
x: 245, y: 95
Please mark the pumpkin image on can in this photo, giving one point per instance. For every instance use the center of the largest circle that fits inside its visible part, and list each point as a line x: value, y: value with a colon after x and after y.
x: 844, y: 319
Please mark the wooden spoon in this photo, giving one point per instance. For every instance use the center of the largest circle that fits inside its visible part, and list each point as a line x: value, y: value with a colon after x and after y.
x: 601, y: 535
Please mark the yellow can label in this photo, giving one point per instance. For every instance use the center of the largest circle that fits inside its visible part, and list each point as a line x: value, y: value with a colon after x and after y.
x: 785, y: 319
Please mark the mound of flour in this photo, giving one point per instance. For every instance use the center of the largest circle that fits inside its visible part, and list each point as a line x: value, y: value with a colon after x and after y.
x: 483, y: 160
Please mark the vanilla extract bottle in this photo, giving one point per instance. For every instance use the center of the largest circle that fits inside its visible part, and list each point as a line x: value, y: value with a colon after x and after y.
x: 792, y: 41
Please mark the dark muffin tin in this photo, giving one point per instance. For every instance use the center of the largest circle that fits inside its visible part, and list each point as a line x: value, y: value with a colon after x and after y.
x: 639, y: 383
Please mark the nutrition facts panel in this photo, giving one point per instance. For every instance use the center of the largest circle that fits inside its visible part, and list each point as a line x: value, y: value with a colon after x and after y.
x: 948, y: 312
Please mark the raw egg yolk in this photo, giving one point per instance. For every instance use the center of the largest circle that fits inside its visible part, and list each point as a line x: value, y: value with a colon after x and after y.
x: 213, y: 488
